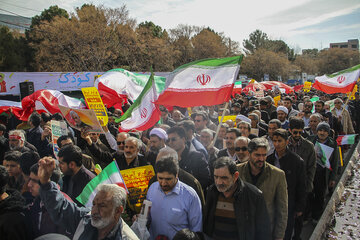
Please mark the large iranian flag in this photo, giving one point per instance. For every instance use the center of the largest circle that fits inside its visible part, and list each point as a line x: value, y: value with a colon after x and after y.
x: 116, y: 85
x: 204, y: 82
x: 110, y: 175
x: 340, y: 82
x: 143, y: 114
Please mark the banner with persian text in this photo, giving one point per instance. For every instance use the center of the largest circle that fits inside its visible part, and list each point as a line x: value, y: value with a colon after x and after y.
x: 61, y: 81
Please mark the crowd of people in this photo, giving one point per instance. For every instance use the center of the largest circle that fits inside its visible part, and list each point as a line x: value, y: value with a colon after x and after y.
x: 260, y: 177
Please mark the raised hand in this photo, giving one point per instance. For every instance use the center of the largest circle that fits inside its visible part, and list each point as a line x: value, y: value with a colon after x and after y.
x: 46, y: 168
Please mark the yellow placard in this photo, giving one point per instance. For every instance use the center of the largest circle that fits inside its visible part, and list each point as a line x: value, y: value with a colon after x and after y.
x: 231, y: 117
x: 137, y: 181
x: 307, y: 86
x: 277, y: 99
x: 93, y: 99
x: 352, y: 97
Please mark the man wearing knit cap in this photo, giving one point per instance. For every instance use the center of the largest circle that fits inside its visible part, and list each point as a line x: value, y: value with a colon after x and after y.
x: 158, y: 137
x: 324, y: 177
x: 282, y: 113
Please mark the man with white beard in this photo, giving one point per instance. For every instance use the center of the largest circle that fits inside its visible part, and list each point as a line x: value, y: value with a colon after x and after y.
x: 104, y: 221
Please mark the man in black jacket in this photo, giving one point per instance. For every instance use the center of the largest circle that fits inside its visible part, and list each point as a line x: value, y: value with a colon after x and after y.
x: 234, y: 209
x: 294, y: 169
x: 190, y: 160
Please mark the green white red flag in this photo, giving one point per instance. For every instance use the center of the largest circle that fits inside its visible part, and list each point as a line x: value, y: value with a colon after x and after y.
x: 323, y: 154
x: 340, y: 82
x: 204, y: 82
x: 346, y: 139
x: 110, y: 175
x: 143, y: 113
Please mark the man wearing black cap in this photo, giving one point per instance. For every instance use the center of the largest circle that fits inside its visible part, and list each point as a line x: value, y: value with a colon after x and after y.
x: 324, y: 177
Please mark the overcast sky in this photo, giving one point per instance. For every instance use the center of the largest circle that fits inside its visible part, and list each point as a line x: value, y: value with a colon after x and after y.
x: 301, y: 23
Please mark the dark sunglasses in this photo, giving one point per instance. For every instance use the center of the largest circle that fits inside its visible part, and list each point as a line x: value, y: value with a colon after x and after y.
x: 237, y: 149
x: 297, y: 132
x: 119, y: 143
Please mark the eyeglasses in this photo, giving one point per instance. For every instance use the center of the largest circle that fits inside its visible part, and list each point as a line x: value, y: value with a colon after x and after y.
x: 119, y: 143
x: 197, y: 120
x: 308, y: 106
x: 297, y: 132
x: 237, y: 149
x: 337, y: 102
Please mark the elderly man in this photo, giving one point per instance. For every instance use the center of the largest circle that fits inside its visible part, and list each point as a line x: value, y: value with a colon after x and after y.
x: 282, y: 113
x: 234, y: 209
x: 245, y: 129
x: 206, y: 138
x: 129, y: 158
x: 17, y: 141
x: 255, y: 120
x: 175, y: 205
x: 271, y: 181
x: 104, y: 222
x: 315, y: 119
x: 158, y: 137
x: 241, y: 149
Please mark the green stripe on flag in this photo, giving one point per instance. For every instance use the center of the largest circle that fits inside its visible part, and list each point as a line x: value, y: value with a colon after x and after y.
x: 137, y: 103
x: 91, y: 186
x: 213, y: 62
x: 344, y: 71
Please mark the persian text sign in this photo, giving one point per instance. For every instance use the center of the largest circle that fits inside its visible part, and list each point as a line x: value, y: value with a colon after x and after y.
x: 94, y: 102
x: 137, y: 180
x: 57, y: 129
x: 61, y: 81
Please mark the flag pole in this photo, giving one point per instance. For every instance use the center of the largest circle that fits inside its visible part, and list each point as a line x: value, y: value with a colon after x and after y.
x: 341, y: 158
x: 218, y: 128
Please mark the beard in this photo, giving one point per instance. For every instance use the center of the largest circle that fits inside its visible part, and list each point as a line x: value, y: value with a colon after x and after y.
x: 98, y: 222
x: 129, y: 155
x: 223, y: 188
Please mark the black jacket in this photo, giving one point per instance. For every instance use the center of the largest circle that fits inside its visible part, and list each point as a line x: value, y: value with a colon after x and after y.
x: 14, y: 225
x: 252, y: 218
x: 194, y: 163
x: 294, y: 168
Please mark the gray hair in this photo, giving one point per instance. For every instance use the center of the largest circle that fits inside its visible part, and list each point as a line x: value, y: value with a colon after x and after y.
x: 134, y: 139
x: 208, y: 131
x: 168, y: 152
x: 246, y: 123
x: 317, y: 115
x: 339, y: 99
x: 255, y: 116
x: 118, y: 193
x: 258, y: 143
x: 19, y: 133
x: 242, y: 138
x: 276, y: 121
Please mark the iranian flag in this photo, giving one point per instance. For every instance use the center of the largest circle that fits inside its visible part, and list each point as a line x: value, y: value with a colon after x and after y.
x: 110, y: 175
x: 323, y: 154
x: 116, y: 85
x: 237, y: 88
x: 143, y: 114
x: 14, y: 107
x: 346, y: 139
x: 204, y: 82
x: 340, y: 82
x: 47, y: 101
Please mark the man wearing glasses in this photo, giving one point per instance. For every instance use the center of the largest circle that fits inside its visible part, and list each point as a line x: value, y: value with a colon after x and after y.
x: 241, y: 149
x: 305, y: 149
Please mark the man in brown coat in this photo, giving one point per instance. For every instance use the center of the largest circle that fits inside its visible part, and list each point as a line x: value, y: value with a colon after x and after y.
x: 271, y: 181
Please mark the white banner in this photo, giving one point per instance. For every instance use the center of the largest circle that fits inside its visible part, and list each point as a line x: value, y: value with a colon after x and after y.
x: 61, y: 81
